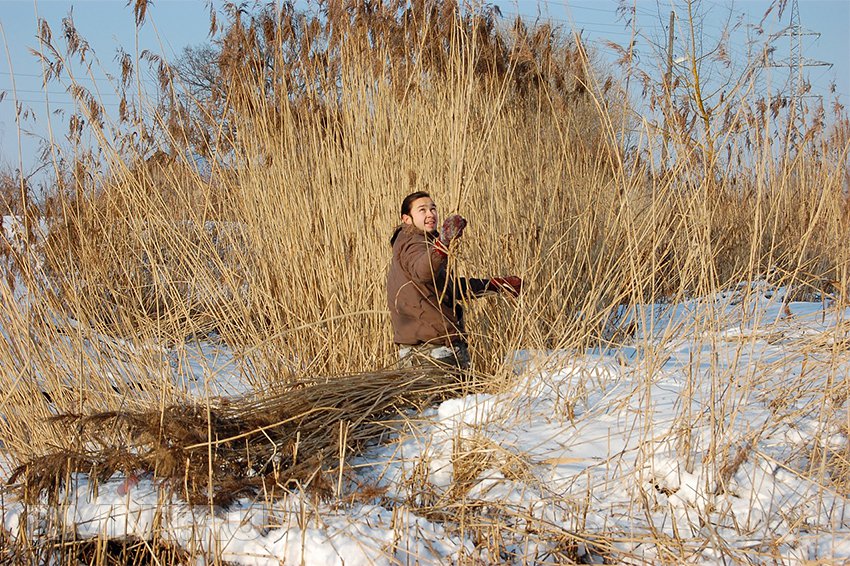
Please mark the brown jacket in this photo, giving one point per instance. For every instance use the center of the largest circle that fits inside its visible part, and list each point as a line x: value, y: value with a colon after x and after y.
x: 424, y: 302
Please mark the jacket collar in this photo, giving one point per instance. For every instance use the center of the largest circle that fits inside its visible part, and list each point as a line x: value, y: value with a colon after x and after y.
x: 410, y: 230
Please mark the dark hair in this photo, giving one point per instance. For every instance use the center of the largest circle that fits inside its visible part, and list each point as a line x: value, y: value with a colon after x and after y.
x: 405, y: 209
x: 408, y: 201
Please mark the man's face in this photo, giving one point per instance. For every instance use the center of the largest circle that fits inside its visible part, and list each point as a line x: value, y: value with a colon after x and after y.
x: 423, y: 214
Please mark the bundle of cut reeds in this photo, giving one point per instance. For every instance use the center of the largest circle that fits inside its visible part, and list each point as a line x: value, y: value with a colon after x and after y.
x: 215, y: 452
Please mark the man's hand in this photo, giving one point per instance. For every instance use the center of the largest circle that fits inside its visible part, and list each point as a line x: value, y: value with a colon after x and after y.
x: 452, y: 230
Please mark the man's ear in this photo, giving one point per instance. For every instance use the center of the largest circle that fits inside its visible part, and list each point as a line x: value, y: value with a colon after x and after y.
x: 407, y: 219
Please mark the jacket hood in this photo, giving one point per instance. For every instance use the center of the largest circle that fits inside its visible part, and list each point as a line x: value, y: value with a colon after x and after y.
x: 411, y: 230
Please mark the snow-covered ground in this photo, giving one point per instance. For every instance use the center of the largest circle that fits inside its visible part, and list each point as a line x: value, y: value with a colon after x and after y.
x: 707, y: 439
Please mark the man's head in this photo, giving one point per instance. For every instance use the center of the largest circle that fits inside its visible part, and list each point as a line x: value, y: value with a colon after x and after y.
x: 418, y: 209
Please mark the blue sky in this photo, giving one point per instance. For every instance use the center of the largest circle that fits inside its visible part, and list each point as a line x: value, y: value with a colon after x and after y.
x: 172, y: 24
x: 831, y: 18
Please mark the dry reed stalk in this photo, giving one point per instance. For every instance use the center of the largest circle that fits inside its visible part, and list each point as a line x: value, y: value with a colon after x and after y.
x: 310, y: 168
x: 499, y: 527
x: 230, y: 447
x: 281, y: 247
x: 537, y: 183
x: 101, y: 552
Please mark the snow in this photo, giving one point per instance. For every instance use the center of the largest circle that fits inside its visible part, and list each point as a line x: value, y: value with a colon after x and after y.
x: 700, y: 435
x: 249, y: 532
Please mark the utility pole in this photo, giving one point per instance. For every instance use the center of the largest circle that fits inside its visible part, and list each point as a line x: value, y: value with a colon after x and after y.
x: 668, y: 79
x: 795, y: 63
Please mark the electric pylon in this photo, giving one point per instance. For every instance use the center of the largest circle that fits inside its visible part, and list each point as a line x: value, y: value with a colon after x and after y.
x: 795, y: 62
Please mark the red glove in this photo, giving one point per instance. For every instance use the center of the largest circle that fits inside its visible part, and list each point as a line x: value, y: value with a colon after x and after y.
x: 510, y: 284
x: 452, y: 230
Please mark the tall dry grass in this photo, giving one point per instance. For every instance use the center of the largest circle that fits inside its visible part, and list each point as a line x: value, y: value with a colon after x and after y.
x: 282, y: 247
x: 312, y: 135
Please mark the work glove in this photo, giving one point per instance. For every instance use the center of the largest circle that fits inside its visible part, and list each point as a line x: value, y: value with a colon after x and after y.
x: 452, y: 230
x: 510, y: 284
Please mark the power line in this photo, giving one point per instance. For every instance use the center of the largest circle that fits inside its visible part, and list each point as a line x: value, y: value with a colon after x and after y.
x: 64, y: 102
x: 55, y: 93
x: 565, y: 5
x: 549, y: 17
x: 98, y: 79
x: 625, y: 30
x: 571, y: 7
